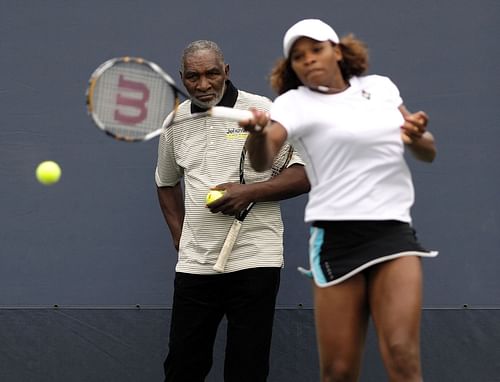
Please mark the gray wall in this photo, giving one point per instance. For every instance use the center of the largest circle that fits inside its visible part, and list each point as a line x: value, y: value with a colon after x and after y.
x: 96, y: 244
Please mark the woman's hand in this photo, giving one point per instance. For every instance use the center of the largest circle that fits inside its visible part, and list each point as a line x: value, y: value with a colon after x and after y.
x: 415, y: 135
x: 257, y: 124
x: 414, y: 127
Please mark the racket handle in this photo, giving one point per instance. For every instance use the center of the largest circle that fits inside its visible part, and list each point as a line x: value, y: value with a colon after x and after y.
x: 237, y: 115
x: 227, y: 248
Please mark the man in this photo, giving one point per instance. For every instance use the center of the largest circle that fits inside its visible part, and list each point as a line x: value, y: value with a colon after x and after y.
x: 205, y: 153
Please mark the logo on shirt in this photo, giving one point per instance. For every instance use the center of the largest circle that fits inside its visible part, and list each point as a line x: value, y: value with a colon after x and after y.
x: 236, y: 133
x: 365, y: 94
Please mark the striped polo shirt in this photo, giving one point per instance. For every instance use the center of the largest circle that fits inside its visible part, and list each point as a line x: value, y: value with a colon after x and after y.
x: 206, y: 152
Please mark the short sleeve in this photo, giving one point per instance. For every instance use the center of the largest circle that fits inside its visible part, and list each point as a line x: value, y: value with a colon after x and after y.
x: 392, y: 92
x: 283, y: 112
x: 167, y: 173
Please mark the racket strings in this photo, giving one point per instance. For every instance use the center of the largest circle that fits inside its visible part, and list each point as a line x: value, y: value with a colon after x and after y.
x: 132, y: 100
x: 281, y: 160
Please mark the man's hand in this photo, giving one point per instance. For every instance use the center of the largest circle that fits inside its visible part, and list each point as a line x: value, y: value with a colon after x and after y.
x: 236, y: 198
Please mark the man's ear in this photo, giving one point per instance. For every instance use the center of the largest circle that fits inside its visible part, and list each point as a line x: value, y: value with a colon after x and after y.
x: 180, y: 74
x: 226, y: 70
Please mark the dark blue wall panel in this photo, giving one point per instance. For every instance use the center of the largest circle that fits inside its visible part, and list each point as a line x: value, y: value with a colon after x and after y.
x: 98, y: 236
x: 97, y: 239
x: 129, y: 345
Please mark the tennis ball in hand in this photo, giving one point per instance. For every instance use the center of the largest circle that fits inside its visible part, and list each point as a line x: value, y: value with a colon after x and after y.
x: 48, y: 172
x: 213, y: 195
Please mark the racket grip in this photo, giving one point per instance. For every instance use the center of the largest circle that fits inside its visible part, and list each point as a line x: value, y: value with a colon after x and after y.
x: 237, y: 115
x: 228, y: 246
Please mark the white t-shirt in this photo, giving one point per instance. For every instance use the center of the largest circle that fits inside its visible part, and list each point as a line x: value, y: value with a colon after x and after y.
x: 351, y: 143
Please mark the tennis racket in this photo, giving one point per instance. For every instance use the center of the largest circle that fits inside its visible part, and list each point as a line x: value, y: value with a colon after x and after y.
x: 280, y: 162
x: 133, y: 99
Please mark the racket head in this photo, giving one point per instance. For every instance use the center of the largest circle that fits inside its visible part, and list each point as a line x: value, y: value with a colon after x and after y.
x: 129, y: 98
x: 280, y: 162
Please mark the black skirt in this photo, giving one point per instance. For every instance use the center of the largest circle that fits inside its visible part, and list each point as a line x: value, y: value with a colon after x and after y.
x: 341, y: 249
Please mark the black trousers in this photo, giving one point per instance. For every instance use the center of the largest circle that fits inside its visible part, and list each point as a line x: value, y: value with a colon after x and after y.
x: 247, y: 298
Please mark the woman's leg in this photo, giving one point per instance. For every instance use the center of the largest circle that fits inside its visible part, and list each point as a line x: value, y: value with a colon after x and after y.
x: 341, y: 316
x: 395, y: 293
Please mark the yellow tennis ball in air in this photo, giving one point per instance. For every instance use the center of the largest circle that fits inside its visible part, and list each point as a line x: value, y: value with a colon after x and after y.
x: 213, y: 195
x: 48, y: 172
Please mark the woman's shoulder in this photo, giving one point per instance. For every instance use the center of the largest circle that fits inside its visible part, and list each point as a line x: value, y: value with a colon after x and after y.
x: 373, y: 80
x: 380, y: 87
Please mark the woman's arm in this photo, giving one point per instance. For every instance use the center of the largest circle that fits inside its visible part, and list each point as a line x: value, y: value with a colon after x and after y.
x: 263, y: 145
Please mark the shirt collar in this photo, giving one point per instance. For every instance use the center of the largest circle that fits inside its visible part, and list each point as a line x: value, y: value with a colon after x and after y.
x: 228, y: 99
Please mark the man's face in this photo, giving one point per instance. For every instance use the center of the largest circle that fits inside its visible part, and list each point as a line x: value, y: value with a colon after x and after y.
x: 204, y: 77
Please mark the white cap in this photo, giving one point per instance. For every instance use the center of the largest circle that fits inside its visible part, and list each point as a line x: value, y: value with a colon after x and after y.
x: 312, y: 28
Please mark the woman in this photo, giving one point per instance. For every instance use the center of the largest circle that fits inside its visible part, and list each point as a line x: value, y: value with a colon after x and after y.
x: 365, y: 258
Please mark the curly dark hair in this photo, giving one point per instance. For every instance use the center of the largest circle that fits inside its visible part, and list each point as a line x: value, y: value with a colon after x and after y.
x: 354, y: 63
